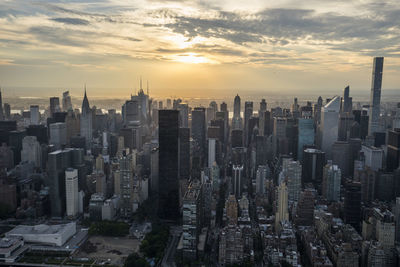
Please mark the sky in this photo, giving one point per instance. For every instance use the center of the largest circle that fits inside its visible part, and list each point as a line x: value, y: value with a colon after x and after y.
x: 196, y: 48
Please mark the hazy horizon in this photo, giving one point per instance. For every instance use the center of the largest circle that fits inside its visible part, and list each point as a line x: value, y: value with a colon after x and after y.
x: 104, y: 93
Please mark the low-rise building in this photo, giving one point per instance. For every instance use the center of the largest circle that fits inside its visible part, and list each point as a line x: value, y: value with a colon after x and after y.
x: 11, y: 249
x: 55, y: 235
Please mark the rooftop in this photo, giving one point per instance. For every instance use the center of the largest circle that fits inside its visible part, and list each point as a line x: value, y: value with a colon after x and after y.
x: 39, y: 229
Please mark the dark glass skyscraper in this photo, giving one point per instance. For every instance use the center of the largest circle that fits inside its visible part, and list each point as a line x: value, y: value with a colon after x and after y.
x: 313, y: 164
x: 347, y: 101
x: 199, y: 129
x: 352, y: 204
x: 54, y: 105
x: 168, y: 137
x: 184, y: 153
x: 248, y: 113
x: 393, y: 150
x: 375, y: 97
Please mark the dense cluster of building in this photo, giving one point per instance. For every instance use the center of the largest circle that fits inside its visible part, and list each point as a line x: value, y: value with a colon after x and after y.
x: 315, y: 184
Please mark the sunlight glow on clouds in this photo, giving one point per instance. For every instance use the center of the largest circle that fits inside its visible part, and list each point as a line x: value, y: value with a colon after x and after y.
x: 124, y: 36
x: 192, y: 58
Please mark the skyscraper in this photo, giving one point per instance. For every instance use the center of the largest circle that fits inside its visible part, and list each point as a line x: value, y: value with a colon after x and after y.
x: 126, y: 184
x: 184, y: 153
x: 86, y: 121
x: 211, y: 151
x: 252, y: 129
x: 236, y: 120
x: 58, y: 134
x: 317, y: 111
x: 248, y: 112
x: 142, y: 99
x: 15, y: 143
x: 347, y: 101
x: 375, y: 97
x: 305, y: 135
x: 71, y: 191
x: 1, y: 107
x: 237, y: 180
x: 262, y: 115
x: 261, y: 176
x: 342, y: 157
x: 291, y: 171
x: 282, y: 213
x: 131, y: 112
x: 331, y: 182
x: 236, y: 107
x: 280, y: 143
x: 66, y: 102
x: 373, y: 157
x: 393, y: 150
x: 40, y: 131
x: 31, y: 151
x: 168, y: 131
x: 183, y: 115
x: 237, y: 138
x: 305, y: 208
x: 263, y: 106
x: 295, y: 106
x: 346, y: 120
x: 54, y: 105
x: 7, y: 111
x: 352, y: 204
x: 199, y: 129
x: 191, y: 219
x: 328, y: 131
x: 396, y: 119
x: 58, y: 162
x: 35, y: 115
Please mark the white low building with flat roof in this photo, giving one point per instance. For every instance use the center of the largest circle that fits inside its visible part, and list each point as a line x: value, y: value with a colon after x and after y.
x: 11, y: 249
x: 55, y: 235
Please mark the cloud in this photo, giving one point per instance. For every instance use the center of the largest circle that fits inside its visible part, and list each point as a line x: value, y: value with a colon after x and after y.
x: 59, y: 37
x: 285, y: 26
x: 72, y: 21
x: 6, y: 61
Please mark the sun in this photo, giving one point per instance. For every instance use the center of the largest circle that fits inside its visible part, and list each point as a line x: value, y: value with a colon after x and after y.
x: 192, y: 58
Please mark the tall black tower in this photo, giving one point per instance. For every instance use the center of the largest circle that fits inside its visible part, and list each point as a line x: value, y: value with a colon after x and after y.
x: 168, y: 137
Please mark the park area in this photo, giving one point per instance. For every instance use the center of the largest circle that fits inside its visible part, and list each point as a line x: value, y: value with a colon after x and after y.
x: 108, y: 250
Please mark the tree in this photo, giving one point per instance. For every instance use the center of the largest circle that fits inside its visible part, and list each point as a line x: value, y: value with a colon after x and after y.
x: 134, y: 260
x: 154, y: 243
x: 108, y: 228
x: 146, y: 211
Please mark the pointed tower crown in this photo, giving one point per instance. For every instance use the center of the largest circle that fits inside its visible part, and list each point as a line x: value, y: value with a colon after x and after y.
x: 85, y: 103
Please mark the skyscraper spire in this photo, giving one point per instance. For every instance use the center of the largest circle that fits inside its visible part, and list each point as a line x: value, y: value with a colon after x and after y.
x: 147, y: 87
x: 347, y: 101
x: 85, y: 102
x: 86, y: 125
x: 141, y: 83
